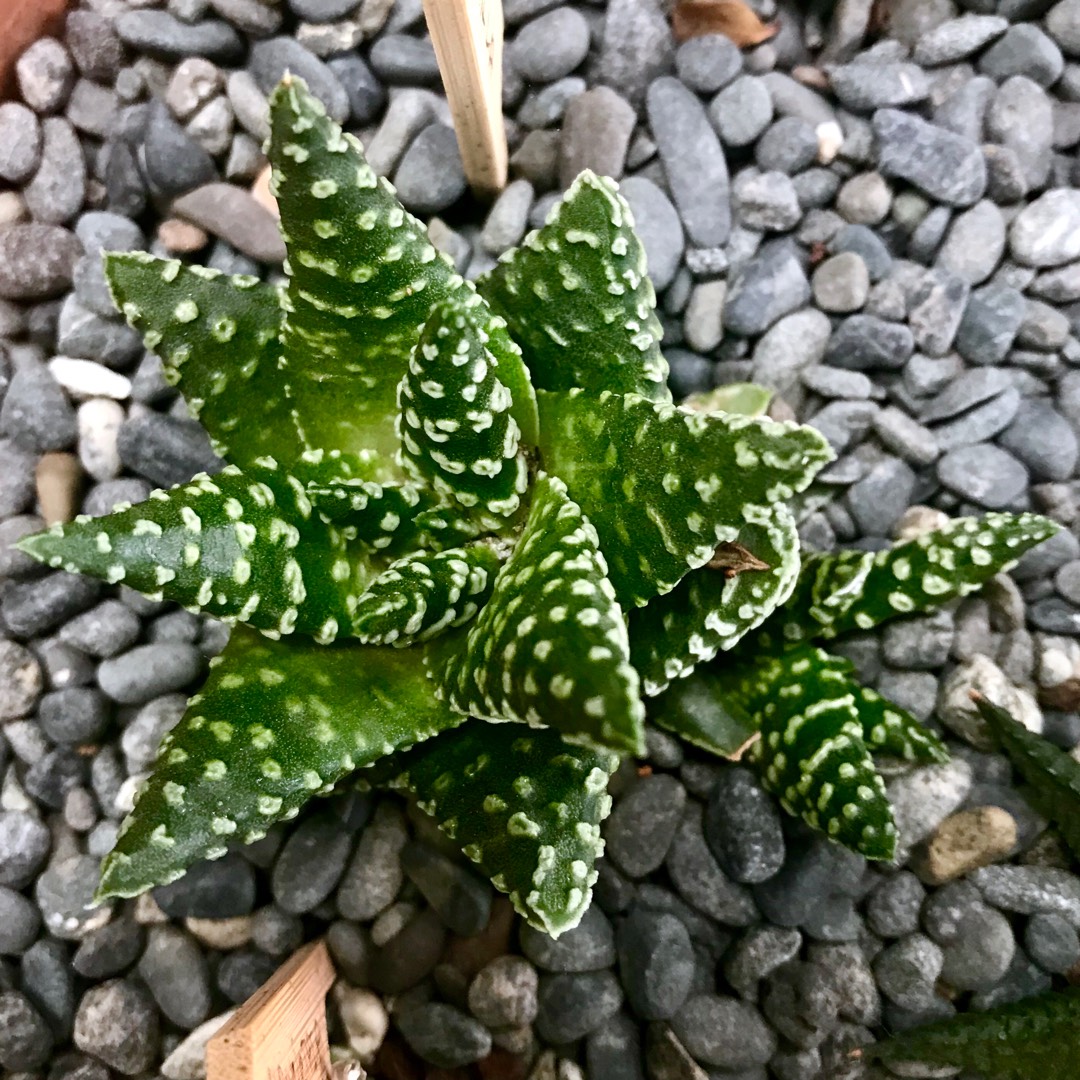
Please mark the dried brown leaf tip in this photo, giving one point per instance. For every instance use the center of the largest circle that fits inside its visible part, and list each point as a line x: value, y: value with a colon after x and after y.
x: 735, y: 559
x: 732, y: 18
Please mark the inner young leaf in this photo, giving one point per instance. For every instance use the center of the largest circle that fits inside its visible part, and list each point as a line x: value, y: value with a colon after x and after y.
x: 275, y: 724
x: 550, y: 646
x: 663, y: 486
x: 577, y: 298
x: 456, y: 424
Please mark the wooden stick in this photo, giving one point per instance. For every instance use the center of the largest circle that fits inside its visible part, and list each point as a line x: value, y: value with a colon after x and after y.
x: 279, y: 1033
x: 468, y: 39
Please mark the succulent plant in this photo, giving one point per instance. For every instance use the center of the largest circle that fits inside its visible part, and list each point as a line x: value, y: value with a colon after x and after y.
x: 447, y: 504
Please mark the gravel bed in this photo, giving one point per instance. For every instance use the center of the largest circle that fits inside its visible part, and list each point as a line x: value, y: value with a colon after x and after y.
x: 887, y: 234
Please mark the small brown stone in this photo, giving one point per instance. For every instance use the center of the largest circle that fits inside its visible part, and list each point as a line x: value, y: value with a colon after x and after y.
x: 181, y: 237
x: 260, y: 192
x: 59, y: 477
x: 221, y: 934
x: 964, y: 842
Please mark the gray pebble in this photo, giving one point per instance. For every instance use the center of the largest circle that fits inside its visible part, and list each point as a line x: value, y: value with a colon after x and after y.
x: 19, y: 924
x: 1042, y: 439
x: 109, y: 950
x: 907, y: 969
x: 165, y: 450
x: 214, y: 889
x: 310, y: 864
x: 757, y: 954
x: 656, y: 963
x: 789, y: 146
x: 459, y: 897
x: 366, y: 94
x: 724, y: 1031
x: 504, y: 993
x: 36, y: 261
x: 596, y: 134
x: 974, y: 243
x: 175, y: 972
x: 573, y: 1005
x: 958, y: 38
x: 866, y: 84
x: 1052, y: 943
x: 45, y: 75
x: 32, y: 607
x: 20, y: 142
x: 443, y: 1035
x: 741, y: 111
x: 431, y: 177
x: 770, y: 285
x: 25, y: 1039
x: 161, y: 34
x: 743, y: 828
x: 1023, y: 50
x: 865, y: 243
x: 983, y: 474
x: 1046, y: 232
x: 590, y: 946
x: 790, y: 348
x: 879, y: 498
x: 867, y: 343
x: 980, y: 954
x: 147, y: 671
x: 841, y: 283
x: 402, y: 59
x: 551, y: 46
x: 94, y: 45
x: 765, y: 201
x: 374, y: 875
x: 636, y: 46
x: 640, y: 830
x: 270, y: 59
x: 118, y: 1024
x: 694, y: 163
x: 708, y: 63
x: 75, y: 715
x: 892, y: 909
x: 947, y: 167
x: 64, y: 893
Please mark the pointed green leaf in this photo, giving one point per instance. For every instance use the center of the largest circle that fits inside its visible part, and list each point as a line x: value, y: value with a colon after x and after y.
x: 526, y: 806
x: 242, y: 546
x: 694, y: 709
x: 550, y: 646
x: 1054, y: 775
x: 217, y: 337
x: 421, y: 596
x: 577, y: 298
x: 811, y: 753
x: 857, y: 590
x: 362, y: 277
x: 664, y: 486
x: 889, y: 729
x: 747, y: 399
x: 274, y: 725
x: 711, y: 609
x: 456, y: 428
x: 1020, y: 1041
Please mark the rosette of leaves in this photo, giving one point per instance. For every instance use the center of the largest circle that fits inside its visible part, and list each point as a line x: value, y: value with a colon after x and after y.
x: 806, y: 722
x: 444, y: 505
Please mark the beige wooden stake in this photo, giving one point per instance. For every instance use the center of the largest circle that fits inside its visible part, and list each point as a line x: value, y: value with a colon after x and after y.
x: 279, y: 1033
x: 468, y: 39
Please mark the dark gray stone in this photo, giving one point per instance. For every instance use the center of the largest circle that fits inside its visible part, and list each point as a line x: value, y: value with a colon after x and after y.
x: 165, y: 450
x: 310, y: 864
x: 640, y: 830
x: 757, y: 954
x: 991, y: 321
x: 270, y: 59
x: 879, y: 498
x: 980, y: 954
x: 983, y: 474
x: 94, y: 45
x: 1023, y: 50
x: 161, y: 34
x: 1052, y: 943
x: 708, y: 63
x: 947, y: 167
x: 742, y: 827
x: 725, y: 1031
x: 573, y: 1005
x: 958, y: 38
x: 1042, y: 439
x: 25, y: 1040
x: 443, y: 1035
x: 19, y: 924
x: 936, y: 307
x: 32, y: 607
x: 175, y: 972
x: 460, y: 898
x: 109, y: 950
x: 635, y: 47
x: 175, y: 162
x: 431, y: 177
x: 401, y: 58
x: 656, y: 963
x: 218, y: 889
x: 590, y: 946
x: 365, y: 92
x: 770, y: 285
x: 147, y: 671
x: 907, y: 969
x: 867, y: 343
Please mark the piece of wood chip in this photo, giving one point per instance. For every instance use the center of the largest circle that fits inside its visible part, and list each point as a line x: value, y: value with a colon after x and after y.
x: 732, y: 18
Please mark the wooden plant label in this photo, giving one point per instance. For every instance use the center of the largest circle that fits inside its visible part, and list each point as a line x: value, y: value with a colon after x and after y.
x: 279, y: 1033
x: 468, y: 40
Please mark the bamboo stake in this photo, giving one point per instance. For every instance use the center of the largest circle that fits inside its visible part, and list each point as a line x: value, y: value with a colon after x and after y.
x: 468, y: 39
x: 279, y: 1033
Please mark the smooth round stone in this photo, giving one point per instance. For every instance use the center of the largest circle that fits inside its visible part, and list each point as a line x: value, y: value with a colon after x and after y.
x: 907, y: 969
x: 96, y: 49
x: 64, y: 894
x: 503, y: 993
x: 980, y: 954
x: 656, y: 963
x: 573, y: 1005
x: 19, y: 922
x: 147, y: 671
x: 20, y: 142
x: 1046, y: 232
x: 741, y: 111
x: 310, y: 864
x: 1052, y: 943
x: 743, y: 827
x: 640, y: 830
x: 724, y: 1031
x: 841, y: 284
x: 24, y: 847
x: 590, y: 946
x: 174, y: 970
x: 37, y: 261
x: 551, y: 46
x: 20, y: 680
x: 45, y: 75
x: 75, y: 715
x: 99, y: 421
x: 443, y: 1035
x: 460, y: 898
x: 983, y: 474
x: 218, y: 889
x: 161, y: 34
x: 25, y: 1039
x: 708, y: 63
x: 430, y: 176
x: 270, y: 59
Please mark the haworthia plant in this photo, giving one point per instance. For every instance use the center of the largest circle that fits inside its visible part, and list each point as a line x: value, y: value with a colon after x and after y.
x: 449, y: 504
x: 1020, y: 1041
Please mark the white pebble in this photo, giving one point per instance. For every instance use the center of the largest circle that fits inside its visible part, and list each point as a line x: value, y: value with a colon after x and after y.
x: 829, y: 140
x: 99, y: 426
x: 88, y: 378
